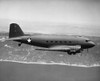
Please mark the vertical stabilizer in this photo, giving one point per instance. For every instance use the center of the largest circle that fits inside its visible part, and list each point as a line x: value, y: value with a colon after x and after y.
x: 15, y: 30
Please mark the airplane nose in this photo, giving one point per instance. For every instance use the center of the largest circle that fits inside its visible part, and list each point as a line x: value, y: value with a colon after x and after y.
x: 92, y: 44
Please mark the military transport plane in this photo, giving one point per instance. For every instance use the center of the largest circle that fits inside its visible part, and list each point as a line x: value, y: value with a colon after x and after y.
x: 64, y: 43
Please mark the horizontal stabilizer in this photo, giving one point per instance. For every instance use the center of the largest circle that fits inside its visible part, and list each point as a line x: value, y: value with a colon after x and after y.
x: 13, y: 39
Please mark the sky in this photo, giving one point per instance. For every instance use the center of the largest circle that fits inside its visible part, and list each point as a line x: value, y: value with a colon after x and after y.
x: 52, y: 16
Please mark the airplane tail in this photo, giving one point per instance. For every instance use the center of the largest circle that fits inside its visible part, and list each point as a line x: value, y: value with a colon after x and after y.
x: 15, y: 30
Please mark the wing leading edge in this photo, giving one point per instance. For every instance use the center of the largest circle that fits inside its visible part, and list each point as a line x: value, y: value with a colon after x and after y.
x: 68, y: 49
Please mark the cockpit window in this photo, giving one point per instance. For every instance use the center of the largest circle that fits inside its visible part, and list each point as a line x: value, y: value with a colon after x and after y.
x: 87, y: 40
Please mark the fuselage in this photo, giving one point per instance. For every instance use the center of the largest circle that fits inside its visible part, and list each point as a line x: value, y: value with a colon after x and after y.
x: 54, y: 40
x: 67, y: 43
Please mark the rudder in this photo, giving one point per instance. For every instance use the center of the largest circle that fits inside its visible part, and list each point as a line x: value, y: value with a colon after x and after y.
x: 15, y: 30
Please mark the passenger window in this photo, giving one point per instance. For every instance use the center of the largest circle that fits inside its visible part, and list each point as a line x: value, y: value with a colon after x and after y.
x: 86, y: 40
x: 51, y: 41
x: 47, y: 41
x: 70, y: 42
x: 56, y: 41
x: 65, y: 41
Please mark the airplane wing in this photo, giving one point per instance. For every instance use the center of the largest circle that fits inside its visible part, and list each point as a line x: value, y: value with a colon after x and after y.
x: 65, y: 47
x: 61, y: 48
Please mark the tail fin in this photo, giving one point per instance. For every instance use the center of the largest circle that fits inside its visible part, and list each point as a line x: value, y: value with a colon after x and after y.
x: 15, y: 30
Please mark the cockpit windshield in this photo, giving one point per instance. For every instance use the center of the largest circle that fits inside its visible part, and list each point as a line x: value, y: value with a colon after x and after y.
x: 87, y: 40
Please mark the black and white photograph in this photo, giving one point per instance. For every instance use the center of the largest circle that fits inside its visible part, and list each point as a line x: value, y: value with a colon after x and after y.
x: 49, y: 40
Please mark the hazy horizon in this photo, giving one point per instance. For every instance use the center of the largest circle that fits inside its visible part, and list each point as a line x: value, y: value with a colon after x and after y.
x: 80, y: 17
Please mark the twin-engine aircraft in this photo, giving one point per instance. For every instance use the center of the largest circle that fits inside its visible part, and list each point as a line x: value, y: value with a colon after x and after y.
x: 47, y: 42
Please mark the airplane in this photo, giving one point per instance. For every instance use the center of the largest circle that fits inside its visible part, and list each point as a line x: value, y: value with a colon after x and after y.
x: 64, y: 43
